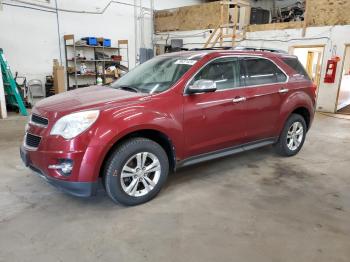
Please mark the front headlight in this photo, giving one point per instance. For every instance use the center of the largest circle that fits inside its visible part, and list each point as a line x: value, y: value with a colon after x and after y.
x: 74, y: 124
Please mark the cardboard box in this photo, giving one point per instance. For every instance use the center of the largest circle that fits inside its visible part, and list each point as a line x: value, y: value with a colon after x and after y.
x: 58, y: 79
x: 109, y: 80
x: 55, y: 62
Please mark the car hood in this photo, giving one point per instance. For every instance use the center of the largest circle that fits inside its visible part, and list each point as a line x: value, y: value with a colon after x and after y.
x: 85, y: 98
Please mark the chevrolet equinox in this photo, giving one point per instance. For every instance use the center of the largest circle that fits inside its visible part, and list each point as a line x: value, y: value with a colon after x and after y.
x: 174, y: 110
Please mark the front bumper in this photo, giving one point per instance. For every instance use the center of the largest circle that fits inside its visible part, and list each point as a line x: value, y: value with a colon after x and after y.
x: 80, y: 189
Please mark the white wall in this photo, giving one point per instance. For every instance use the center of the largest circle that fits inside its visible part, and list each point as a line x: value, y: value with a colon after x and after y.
x: 334, y: 39
x: 302, y: 53
x: 30, y: 40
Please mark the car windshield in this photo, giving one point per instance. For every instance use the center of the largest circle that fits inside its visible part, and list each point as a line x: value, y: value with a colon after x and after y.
x: 154, y: 76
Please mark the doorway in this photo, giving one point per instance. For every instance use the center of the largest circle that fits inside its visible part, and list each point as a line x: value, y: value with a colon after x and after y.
x: 311, y: 58
x: 343, y: 104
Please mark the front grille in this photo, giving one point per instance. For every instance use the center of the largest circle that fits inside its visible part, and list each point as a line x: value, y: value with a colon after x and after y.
x: 32, y: 140
x: 39, y: 120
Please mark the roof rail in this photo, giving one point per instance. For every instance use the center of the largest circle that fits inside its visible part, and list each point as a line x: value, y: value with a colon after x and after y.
x: 241, y: 48
x: 249, y: 48
x: 211, y: 48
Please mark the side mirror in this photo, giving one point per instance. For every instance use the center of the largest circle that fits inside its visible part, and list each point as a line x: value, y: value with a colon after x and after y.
x: 202, y: 86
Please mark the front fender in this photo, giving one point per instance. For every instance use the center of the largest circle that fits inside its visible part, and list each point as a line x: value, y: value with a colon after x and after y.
x: 116, y: 124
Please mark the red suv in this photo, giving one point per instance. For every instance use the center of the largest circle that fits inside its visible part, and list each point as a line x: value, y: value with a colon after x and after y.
x: 175, y: 110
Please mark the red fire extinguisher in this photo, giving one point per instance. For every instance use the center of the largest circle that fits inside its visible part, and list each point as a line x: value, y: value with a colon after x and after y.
x: 331, y: 69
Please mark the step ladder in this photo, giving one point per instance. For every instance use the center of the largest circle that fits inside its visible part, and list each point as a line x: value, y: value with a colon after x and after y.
x: 233, y: 20
x: 13, y: 96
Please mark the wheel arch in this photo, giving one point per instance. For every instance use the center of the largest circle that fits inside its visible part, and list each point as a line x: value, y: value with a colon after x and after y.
x: 297, y: 103
x: 304, y: 112
x: 155, y: 135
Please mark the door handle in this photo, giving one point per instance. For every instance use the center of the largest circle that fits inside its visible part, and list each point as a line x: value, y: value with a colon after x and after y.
x: 238, y: 99
x: 283, y: 90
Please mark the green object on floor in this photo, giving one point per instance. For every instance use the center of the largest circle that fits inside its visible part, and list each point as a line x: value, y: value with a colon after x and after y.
x: 13, y: 96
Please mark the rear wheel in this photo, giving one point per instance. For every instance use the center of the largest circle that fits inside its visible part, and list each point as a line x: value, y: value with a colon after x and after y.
x: 292, y: 137
x: 136, y: 171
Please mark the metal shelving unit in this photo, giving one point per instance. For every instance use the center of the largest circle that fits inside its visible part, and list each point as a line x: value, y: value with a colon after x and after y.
x: 123, y: 46
x: 74, y: 62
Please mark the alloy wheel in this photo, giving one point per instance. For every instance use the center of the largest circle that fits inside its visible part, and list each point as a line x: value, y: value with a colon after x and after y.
x: 295, y: 136
x: 140, y: 174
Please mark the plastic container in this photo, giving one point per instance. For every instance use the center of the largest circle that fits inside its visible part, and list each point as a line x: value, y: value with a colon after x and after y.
x: 100, y: 69
x: 83, y: 69
x: 116, y: 57
x: 91, y: 40
x: 107, y: 42
x: 99, y: 81
x: 104, y: 42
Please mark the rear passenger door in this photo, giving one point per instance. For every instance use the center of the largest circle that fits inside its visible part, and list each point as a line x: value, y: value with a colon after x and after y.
x: 266, y: 89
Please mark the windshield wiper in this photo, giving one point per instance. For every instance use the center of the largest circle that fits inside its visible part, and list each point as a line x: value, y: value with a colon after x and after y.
x: 128, y: 88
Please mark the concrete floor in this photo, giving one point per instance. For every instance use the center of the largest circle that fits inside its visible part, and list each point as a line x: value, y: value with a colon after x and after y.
x: 255, y: 206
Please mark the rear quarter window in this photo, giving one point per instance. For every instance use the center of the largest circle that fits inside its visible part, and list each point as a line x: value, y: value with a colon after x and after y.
x: 294, y: 64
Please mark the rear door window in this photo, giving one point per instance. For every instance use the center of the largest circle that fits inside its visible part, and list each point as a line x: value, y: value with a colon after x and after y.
x: 294, y: 63
x: 262, y: 71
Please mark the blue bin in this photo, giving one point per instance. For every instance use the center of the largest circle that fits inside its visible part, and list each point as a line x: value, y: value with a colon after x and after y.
x: 91, y: 40
x: 107, y: 42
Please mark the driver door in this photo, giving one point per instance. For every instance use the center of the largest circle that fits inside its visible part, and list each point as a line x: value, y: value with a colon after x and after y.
x: 216, y: 120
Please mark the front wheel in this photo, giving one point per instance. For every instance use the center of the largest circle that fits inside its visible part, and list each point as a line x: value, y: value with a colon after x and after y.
x: 292, y: 137
x: 136, y: 171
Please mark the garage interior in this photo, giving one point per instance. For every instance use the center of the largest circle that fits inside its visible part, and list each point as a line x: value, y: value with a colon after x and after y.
x: 254, y: 206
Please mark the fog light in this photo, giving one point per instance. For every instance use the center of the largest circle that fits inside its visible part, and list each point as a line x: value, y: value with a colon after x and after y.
x: 64, y: 167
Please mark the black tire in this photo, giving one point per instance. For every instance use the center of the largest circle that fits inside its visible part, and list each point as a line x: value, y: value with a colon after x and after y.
x: 112, y: 176
x: 281, y: 147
